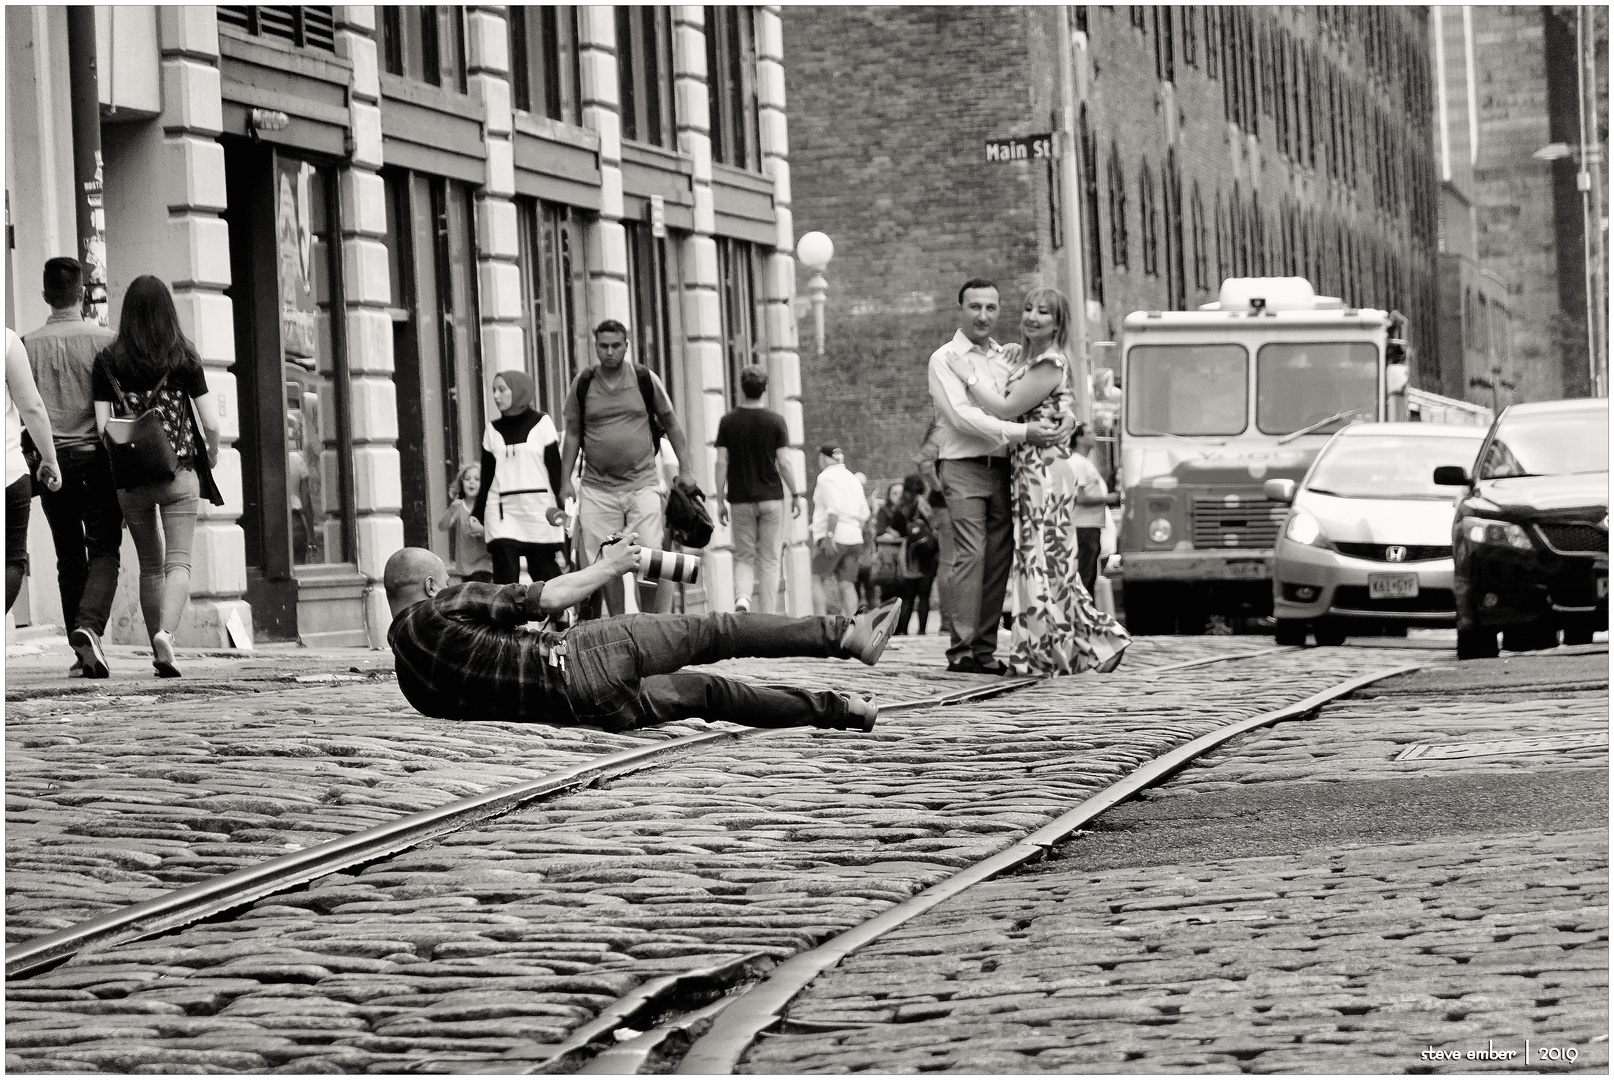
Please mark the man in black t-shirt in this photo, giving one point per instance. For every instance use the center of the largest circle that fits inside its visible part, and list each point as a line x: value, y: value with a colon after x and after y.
x: 752, y: 473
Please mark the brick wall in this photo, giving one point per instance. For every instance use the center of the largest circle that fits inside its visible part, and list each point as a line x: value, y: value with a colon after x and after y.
x: 888, y: 160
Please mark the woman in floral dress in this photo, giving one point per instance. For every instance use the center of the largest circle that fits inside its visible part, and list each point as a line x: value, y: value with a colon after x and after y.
x: 1057, y: 629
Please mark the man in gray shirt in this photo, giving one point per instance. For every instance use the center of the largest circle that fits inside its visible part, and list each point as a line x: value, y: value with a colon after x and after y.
x: 86, y: 522
x: 616, y: 414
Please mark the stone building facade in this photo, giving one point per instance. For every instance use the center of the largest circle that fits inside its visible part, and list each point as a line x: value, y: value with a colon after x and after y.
x: 365, y: 213
x: 1211, y: 142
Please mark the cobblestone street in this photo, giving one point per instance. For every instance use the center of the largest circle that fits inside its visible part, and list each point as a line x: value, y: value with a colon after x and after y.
x: 490, y: 947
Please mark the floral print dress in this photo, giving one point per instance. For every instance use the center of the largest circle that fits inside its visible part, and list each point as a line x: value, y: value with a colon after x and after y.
x: 1056, y: 627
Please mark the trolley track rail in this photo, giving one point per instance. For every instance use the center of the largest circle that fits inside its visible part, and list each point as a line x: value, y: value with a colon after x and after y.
x: 657, y: 1002
x: 215, y: 896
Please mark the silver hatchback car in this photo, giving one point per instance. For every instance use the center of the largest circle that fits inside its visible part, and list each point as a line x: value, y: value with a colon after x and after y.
x: 1367, y: 540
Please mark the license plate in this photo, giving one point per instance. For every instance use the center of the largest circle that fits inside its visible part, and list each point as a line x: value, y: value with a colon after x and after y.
x: 1252, y: 570
x: 1391, y: 586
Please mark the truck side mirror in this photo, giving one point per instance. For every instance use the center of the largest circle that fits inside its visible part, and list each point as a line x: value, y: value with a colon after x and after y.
x: 1451, y: 476
x: 1282, y: 491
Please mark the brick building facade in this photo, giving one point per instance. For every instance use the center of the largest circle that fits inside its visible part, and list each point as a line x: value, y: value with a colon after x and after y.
x: 1213, y: 142
x: 365, y: 213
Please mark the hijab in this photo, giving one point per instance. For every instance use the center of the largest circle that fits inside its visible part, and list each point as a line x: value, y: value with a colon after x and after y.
x: 521, y: 391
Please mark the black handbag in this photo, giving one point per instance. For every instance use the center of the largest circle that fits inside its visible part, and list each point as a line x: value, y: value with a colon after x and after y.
x: 138, y: 447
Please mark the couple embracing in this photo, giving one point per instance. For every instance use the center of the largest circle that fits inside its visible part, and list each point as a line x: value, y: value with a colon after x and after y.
x: 1005, y: 427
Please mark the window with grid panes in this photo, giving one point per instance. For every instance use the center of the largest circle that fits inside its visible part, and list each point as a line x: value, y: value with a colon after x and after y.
x: 652, y: 291
x: 554, y: 299
x: 305, y: 27
x: 544, y: 73
x: 1190, y: 35
x: 645, y: 74
x: 426, y: 44
x: 1213, y: 40
x: 740, y: 300
x: 731, y: 65
x: 1165, y: 66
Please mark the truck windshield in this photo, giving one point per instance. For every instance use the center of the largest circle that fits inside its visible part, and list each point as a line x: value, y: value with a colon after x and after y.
x: 1187, y: 389
x: 1298, y: 384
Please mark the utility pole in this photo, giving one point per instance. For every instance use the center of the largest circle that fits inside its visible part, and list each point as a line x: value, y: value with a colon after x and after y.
x: 89, y: 215
x: 1590, y: 181
x: 1070, y: 206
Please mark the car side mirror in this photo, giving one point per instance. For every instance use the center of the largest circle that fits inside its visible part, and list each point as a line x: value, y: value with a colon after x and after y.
x: 1448, y: 476
x: 1280, y: 491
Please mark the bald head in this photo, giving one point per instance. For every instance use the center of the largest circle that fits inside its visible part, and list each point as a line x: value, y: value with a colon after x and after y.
x: 411, y: 575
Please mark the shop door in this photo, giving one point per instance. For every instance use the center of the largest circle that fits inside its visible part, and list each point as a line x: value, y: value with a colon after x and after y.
x: 435, y: 346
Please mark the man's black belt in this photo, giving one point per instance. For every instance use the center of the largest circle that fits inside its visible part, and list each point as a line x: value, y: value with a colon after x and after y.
x: 985, y: 459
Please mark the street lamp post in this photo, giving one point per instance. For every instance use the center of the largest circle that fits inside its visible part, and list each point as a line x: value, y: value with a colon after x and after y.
x: 815, y: 250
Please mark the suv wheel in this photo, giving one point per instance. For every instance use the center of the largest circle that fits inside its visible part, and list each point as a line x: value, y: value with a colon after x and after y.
x: 1290, y: 632
x: 1476, y: 644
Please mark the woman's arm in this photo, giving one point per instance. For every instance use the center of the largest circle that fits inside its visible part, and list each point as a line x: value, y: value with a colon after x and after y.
x: 1038, y: 383
x: 207, y: 409
x: 31, y: 410
x: 103, y: 413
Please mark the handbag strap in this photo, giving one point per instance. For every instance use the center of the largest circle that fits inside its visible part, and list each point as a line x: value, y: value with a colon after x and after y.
x: 124, y: 398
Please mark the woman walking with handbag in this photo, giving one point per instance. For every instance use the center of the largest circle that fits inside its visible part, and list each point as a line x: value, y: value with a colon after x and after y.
x: 161, y: 428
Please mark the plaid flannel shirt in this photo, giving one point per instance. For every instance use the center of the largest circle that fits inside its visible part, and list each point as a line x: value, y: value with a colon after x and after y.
x: 462, y: 655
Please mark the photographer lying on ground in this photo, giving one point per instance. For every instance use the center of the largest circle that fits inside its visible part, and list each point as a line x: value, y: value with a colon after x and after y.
x: 462, y: 654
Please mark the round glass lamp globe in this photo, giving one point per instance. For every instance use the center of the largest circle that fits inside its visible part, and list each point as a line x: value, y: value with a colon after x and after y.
x: 815, y: 250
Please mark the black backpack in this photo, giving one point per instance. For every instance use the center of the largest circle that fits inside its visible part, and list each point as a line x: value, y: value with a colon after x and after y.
x: 647, y: 390
x: 922, y: 543
x: 689, y: 523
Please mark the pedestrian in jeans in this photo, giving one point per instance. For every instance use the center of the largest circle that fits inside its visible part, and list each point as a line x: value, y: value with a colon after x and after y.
x: 462, y: 653
x: 1093, y: 500
x: 839, y: 510
x: 86, y: 523
x: 23, y: 406
x: 152, y: 365
x: 752, y: 474
x: 616, y: 414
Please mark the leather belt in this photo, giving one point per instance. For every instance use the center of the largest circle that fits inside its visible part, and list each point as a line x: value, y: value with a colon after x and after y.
x: 985, y: 459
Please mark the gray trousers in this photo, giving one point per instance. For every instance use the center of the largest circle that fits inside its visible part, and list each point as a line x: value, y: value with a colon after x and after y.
x: 983, y: 552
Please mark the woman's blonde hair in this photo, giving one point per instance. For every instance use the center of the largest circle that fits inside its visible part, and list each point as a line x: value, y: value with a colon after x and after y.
x: 1060, y: 307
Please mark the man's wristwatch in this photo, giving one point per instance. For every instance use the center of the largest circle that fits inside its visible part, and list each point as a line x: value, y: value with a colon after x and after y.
x: 972, y: 380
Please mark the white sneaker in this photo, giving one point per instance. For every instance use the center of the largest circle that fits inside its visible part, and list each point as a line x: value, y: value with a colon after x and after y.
x: 742, y: 603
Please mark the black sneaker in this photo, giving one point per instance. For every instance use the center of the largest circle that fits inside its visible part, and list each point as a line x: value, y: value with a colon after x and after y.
x: 87, y: 644
x: 866, y: 638
x: 862, y: 712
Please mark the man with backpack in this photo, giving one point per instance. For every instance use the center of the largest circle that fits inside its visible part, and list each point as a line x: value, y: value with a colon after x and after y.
x: 616, y: 414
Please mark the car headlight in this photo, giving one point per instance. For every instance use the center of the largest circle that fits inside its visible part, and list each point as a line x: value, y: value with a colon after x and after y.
x: 1159, y: 530
x: 1304, y: 528
x: 1500, y: 533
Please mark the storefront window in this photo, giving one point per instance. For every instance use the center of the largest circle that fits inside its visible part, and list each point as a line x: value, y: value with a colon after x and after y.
x: 739, y: 271
x: 554, y: 299
x: 436, y: 348
x: 313, y: 369
x: 652, y: 290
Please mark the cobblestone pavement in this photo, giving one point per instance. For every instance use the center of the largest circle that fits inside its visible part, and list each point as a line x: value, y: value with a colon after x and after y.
x: 493, y: 940
x: 1297, y: 902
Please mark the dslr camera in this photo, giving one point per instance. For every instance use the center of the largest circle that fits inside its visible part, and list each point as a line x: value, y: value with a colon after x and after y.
x: 656, y: 565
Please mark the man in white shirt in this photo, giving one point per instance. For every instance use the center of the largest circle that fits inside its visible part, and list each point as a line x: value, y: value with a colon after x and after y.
x: 839, y: 509
x: 1093, y: 500
x: 973, y: 464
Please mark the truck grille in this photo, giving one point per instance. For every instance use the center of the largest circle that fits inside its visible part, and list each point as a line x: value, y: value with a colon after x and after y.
x: 1572, y: 537
x: 1378, y: 553
x: 1234, y: 522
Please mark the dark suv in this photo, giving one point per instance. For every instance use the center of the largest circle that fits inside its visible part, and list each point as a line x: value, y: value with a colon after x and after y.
x: 1530, y: 538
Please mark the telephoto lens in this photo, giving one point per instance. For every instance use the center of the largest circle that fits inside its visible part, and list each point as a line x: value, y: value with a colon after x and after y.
x: 669, y: 566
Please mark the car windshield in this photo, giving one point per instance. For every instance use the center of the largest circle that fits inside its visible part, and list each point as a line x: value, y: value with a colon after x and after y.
x: 1548, y: 444
x: 1300, y: 384
x: 1187, y: 389
x: 1391, y: 466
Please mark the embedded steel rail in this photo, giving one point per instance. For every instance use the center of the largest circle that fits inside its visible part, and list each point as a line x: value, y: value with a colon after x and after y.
x: 205, y: 899
x: 761, y: 1008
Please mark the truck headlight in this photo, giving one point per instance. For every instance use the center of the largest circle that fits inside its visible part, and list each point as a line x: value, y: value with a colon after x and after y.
x: 1304, y: 528
x: 1500, y: 533
x: 1159, y: 530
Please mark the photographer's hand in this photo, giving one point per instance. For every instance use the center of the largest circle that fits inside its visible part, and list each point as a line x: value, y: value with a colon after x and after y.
x: 622, y: 556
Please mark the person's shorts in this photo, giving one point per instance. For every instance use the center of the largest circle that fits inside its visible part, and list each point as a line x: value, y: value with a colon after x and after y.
x: 842, y: 565
x: 602, y: 512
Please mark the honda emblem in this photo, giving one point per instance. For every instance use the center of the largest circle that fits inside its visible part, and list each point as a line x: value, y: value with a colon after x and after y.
x: 1395, y: 553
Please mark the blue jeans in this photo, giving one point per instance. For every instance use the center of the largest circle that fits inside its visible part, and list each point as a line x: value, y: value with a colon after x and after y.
x: 164, y: 548
x: 625, y: 672
x: 86, y: 524
x: 756, y: 530
x: 19, y: 500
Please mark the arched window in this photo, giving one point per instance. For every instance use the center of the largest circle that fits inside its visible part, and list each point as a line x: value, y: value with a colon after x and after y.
x: 1201, y: 243
x: 1468, y: 319
x: 1176, y: 278
x: 1222, y: 252
x: 1117, y: 181
x: 1237, y: 237
x: 1258, y: 235
x: 1149, y: 211
x: 1095, y: 249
